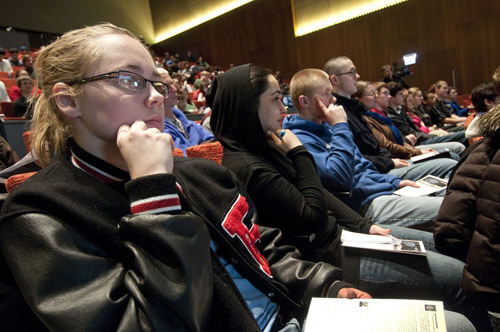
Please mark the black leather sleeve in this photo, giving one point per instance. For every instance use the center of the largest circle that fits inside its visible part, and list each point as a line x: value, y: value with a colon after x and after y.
x: 303, y: 279
x: 72, y: 284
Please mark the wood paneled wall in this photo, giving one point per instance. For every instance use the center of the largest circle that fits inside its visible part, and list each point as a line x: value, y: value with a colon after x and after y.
x: 447, y: 35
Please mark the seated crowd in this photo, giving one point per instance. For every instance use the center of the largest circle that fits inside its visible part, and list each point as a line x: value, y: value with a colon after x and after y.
x: 115, y: 233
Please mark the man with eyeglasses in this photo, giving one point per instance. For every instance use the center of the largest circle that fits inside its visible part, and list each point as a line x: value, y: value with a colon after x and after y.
x: 184, y: 132
x: 322, y: 128
x: 343, y: 76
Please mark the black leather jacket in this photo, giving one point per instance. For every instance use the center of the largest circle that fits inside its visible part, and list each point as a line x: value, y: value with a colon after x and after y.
x: 83, y: 263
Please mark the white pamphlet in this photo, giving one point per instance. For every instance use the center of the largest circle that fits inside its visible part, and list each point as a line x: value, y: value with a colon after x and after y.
x: 375, y: 315
x: 382, y: 243
x: 427, y: 185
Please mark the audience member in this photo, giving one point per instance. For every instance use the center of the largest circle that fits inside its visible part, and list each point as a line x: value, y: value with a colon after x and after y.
x: 23, y: 105
x: 184, y: 132
x: 190, y: 57
x: 5, y: 65
x: 202, y: 64
x: 388, y: 136
x: 8, y: 156
x: 388, y: 76
x: 451, y: 101
x: 28, y: 65
x: 184, y: 103
x: 405, y: 124
x: 440, y: 113
x: 4, y: 96
x: 468, y: 221
x: 15, y: 91
x: 147, y: 244
x: 23, y: 50
x: 201, y: 92
x: 281, y: 178
x: 323, y: 129
x: 204, y: 77
x: 484, y: 97
x: 343, y: 76
x: 14, y: 57
x: 418, y: 109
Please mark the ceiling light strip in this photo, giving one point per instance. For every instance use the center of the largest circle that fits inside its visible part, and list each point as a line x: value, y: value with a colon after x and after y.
x: 230, y: 5
x: 336, y: 18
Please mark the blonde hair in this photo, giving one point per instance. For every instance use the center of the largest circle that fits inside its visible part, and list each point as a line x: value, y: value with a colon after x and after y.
x: 304, y: 83
x: 360, y: 88
x: 437, y: 85
x: 66, y: 60
x: 379, y: 86
x: 414, y: 91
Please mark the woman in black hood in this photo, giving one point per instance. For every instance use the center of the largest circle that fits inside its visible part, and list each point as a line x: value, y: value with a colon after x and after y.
x: 280, y: 176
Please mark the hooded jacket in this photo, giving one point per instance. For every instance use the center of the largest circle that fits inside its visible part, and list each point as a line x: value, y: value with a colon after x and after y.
x: 468, y: 223
x: 341, y: 166
x: 286, y: 189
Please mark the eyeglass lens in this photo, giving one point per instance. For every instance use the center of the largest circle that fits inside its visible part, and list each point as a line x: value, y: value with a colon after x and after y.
x: 137, y: 83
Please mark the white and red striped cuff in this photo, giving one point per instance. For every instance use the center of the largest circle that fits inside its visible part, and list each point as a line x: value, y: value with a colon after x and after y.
x: 157, y: 204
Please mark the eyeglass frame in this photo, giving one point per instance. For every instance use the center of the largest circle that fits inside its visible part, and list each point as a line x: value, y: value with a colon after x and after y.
x: 350, y: 72
x: 371, y: 94
x: 107, y: 76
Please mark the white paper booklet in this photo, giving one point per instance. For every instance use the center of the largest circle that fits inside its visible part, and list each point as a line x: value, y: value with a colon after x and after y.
x: 428, y: 184
x: 375, y: 315
x: 382, y: 243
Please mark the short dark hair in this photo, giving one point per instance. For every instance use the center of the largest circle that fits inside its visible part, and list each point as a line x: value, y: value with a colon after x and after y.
x: 2, y: 51
x: 426, y: 94
x: 13, y: 50
x: 394, y: 88
x: 480, y: 93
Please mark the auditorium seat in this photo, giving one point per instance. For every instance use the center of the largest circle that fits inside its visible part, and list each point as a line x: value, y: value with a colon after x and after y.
x: 15, y: 180
x: 211, y: 151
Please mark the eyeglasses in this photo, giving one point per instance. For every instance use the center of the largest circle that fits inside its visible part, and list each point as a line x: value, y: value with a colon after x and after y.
x: 371, y: 94
x: 352, y: 72
x: 129, y: 80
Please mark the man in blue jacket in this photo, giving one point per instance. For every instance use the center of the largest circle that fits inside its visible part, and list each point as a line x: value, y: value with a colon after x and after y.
x: 322, y: 128
x: 184, y: 132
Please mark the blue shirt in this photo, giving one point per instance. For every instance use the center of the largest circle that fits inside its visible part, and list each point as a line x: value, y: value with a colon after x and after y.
x: 340, y: 165
x: 263, y: 309
x: 195, y: 134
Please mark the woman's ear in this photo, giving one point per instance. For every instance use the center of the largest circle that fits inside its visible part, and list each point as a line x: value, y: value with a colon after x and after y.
x: 64, y: 101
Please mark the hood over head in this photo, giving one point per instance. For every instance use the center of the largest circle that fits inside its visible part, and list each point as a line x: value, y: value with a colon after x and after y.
x: 235, y: 122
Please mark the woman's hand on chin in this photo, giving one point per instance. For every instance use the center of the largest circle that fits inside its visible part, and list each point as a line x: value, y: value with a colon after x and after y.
x: 146, y: 151
x: 284, y: 139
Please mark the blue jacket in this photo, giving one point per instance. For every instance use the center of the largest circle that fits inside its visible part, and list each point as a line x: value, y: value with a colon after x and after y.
x: 195, y: 132
x: 341, y: 166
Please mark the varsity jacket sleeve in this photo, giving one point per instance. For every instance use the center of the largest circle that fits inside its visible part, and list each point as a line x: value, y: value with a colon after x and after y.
x: 160, y: 280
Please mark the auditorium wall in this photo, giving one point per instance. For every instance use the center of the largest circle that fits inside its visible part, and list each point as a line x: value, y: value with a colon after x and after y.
x: 57, y: 17
x: 449, y: 36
